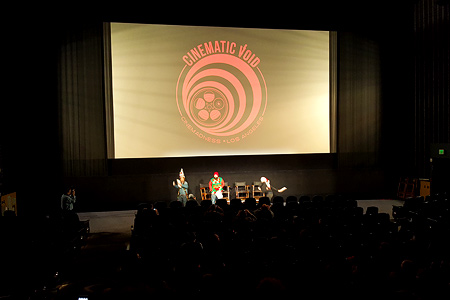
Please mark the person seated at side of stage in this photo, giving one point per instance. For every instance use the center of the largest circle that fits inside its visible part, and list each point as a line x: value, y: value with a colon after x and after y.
x: 267, y: 188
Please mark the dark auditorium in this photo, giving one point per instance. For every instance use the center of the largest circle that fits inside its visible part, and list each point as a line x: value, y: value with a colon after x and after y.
x: 213, y: 150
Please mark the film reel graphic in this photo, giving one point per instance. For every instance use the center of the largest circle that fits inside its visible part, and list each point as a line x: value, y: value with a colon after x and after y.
x: 221, y: 94
x: 209, y: 106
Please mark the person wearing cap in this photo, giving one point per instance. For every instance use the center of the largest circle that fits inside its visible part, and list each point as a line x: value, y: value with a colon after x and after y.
x: 216, y: 185
x: 182, y: 186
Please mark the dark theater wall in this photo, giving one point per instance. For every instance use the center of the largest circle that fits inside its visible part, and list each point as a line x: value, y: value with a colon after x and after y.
x: 431, y: 46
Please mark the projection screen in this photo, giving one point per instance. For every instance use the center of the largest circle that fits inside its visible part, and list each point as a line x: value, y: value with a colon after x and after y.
x: 183, y: 91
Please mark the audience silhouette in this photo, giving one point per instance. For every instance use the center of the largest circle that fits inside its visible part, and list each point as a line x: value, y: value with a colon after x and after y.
x: 315, y: 247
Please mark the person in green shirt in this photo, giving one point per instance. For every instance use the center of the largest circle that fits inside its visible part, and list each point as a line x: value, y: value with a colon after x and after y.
x: 216, y: 185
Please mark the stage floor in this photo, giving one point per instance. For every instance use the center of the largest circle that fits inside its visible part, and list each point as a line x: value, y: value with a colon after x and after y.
x: 109, y: 221
x: 121, y: 221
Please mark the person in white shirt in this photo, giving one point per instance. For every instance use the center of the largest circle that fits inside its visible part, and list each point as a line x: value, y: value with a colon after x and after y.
x: 267, y: 188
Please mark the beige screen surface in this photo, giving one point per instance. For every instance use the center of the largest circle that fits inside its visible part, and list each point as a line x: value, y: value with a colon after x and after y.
x: 203, y: 91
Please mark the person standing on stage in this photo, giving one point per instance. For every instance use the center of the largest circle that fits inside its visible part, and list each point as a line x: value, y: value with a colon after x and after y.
x: 216, y: 185
x: 267, y: 188
x: 182, y: 186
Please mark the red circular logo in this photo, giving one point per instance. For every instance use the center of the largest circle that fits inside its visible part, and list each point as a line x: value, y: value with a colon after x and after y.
x: 222, y: 96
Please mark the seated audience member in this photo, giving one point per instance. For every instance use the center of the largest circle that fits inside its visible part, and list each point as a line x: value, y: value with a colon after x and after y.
x: 264, y: 212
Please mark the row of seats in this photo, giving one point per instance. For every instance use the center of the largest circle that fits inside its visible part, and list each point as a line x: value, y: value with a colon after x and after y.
x: 321, y: 248
x: 330, y: 200
x: 34, y: 248
x: 435, y: 208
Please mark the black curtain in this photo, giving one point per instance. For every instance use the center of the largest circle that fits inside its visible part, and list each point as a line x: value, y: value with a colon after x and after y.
x: 81, y: 100
x: 431, y: 50
x: 359, y: 101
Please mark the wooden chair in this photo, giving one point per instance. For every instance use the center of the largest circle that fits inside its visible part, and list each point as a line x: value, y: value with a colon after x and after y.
x: 406, y: 188
x: 226, y: 192
x: 256, y: 193
x: 205, y: 192
x: 411, y: 188
x: 401, y: 191
x: 242, y: 190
